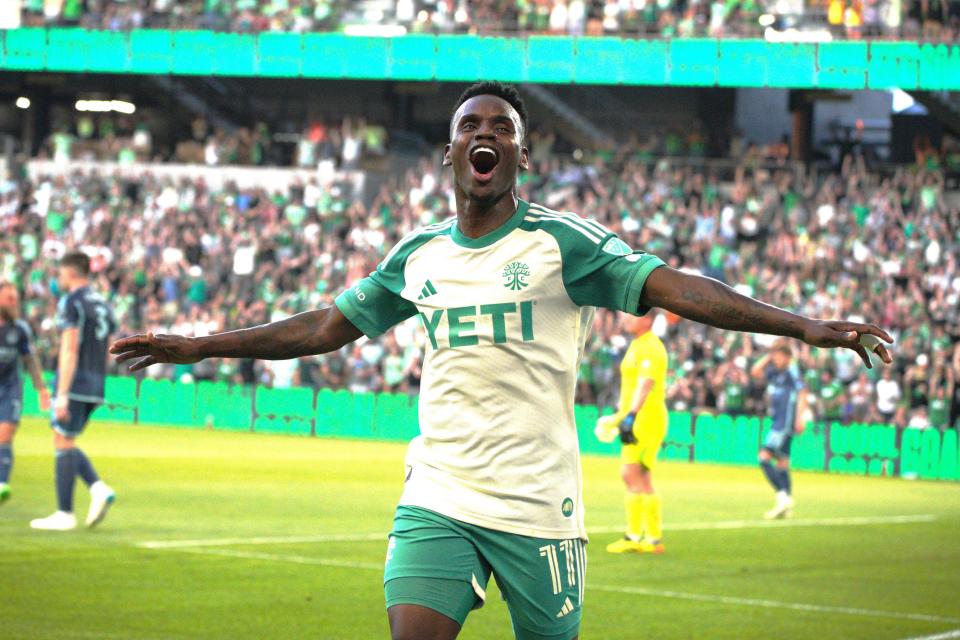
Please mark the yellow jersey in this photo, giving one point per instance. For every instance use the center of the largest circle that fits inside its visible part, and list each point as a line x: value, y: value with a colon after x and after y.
x: 646, y: 357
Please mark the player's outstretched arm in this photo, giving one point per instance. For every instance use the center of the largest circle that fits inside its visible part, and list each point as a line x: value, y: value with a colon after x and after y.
x: 711, y: 302
x: 304, y: 334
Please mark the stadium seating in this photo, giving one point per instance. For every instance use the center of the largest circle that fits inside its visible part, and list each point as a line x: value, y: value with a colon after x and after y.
x: 834, y: 19
x: 288, y: 411
x: 221, y: 405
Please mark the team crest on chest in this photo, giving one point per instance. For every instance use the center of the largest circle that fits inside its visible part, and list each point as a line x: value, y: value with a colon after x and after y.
x: 11, y: 338
x: 515, y: 274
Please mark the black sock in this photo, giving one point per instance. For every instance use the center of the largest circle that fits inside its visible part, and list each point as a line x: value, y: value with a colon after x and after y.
x: 85, y: 468
x: 785, y: 480
x: 772, y: 473
x: 6, y: 461
x: 66, y: 473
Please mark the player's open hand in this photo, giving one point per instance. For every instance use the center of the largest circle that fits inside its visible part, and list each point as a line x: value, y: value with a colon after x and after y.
x: 153, y: 348
x: 849, y: 335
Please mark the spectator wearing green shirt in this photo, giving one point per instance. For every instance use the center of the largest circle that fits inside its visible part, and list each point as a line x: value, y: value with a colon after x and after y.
x: 939, y: 408
x: 832, y: 397
x: 732, y: 380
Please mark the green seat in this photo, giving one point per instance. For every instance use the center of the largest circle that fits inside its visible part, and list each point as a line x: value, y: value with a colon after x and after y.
x: 949, y: 456
x: 164, y: 403
x: 287, y: 411
x: 361, y: 414
x: 395, y: 417
x: 345, y: 414
x: 678, y: 445
x: 224, y: 406
x: 809, y: 450
x: 708, y: 442
x: 121, y: 399
x: 743, y: 433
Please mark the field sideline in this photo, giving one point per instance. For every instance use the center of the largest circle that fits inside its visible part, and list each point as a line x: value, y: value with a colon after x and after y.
x: 231, y: 535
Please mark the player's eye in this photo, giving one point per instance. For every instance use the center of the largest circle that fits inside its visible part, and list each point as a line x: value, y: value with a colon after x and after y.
x: 469, y: 126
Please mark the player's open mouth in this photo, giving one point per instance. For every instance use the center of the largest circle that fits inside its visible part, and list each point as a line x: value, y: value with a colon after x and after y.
x: 483, y: 162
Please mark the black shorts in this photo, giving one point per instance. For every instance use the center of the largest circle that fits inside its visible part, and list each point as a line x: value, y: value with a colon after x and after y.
x: 778, y: 443
x: 79, y: 416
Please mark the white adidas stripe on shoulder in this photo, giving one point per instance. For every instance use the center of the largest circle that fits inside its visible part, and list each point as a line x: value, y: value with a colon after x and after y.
x: 439, y: 225
x: 567, y: 220
x: 589, y: 222
x: 586, y: 234
x: 592, y: 228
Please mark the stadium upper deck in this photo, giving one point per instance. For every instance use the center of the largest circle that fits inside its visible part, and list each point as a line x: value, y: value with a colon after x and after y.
x: 933, y: 20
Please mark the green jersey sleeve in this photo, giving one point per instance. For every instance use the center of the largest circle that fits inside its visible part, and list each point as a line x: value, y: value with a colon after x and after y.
x: 376, y: 303
x: 373, y: 307
x: 600, y: 269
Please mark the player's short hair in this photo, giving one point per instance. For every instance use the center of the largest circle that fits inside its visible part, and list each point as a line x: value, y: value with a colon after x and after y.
x: 77, y: 260
x: 506, y: 92
x: 783, y: 347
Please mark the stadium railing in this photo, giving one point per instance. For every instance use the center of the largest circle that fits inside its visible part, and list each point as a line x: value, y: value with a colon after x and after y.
x: 864, y: 449
x: 544, y: 59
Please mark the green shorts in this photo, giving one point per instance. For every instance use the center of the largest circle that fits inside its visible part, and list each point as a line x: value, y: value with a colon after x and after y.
x: 444, y: 564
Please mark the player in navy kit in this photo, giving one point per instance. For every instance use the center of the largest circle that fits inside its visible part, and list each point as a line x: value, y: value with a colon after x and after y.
x: 15, y: 338
x: 787, y: 408
x: 85, y: 322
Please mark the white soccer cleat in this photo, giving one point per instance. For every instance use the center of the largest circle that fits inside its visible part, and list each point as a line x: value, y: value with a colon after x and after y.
x: 101, y: 497
x: 783, y: 508
x: 4, y: 492
x: 59, y: 521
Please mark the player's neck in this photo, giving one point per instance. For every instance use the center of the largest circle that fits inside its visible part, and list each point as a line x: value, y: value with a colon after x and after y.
x: 78, y: 284
x: 476, y: 218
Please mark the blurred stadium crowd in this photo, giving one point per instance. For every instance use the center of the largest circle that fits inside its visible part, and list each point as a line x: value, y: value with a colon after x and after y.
x: 183, y: 257
x: 910, y: 19
x: 128, y: 139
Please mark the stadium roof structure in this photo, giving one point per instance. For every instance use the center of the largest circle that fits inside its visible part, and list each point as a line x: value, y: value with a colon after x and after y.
x: 541, y: 59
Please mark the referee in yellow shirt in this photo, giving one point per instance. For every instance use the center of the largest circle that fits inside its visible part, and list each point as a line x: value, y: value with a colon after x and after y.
x: 641, y: 420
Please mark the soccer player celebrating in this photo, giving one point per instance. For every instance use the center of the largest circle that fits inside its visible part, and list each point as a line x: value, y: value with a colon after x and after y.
x: 506, y: 291
x: 15, y: 337
x: 85, y: 322
x: 787, y: 407
x: 641, y: 420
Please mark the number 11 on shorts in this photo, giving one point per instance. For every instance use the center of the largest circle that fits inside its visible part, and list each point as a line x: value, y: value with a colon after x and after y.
x: 574, y: 556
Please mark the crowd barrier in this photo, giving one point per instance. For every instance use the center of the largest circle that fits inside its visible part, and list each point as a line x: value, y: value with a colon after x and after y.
x: 864, y: 449
x: 542, y: 59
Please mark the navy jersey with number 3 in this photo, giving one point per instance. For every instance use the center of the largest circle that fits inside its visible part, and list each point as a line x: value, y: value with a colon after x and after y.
x: 89, y: 313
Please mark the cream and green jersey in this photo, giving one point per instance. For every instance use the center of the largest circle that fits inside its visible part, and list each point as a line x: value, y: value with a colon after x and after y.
x: 506, y: 317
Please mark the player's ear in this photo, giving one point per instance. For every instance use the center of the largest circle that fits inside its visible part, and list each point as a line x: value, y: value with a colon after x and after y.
x: 524, y: 159
x: 447, y: 160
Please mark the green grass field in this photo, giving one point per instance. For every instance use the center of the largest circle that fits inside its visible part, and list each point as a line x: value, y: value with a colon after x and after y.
x: 285, y: 538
